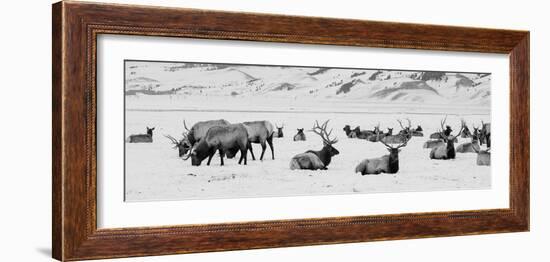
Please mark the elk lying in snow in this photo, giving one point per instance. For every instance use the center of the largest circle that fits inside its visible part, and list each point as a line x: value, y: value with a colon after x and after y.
x: 227, y: 140
x: 485, y: 134
x: 483, y: 157
x: 446, y: 151
x: 404, y: 135
x: 361, y: 134
x: 418, y: 131
x: 181, y: 145
x: 279, y: 133
x: 260, y: 132
x: 142, y: 138
x: 347, y: 129
x: 469, y: 147
x: 300, y: 136
x: 314, y: 160
x: 384, y: 164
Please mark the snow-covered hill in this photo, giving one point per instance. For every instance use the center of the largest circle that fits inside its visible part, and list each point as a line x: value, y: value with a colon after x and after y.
x: 354, y: 85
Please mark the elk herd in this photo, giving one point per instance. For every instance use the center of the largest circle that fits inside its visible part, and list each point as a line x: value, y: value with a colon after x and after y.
x: 206, y: 138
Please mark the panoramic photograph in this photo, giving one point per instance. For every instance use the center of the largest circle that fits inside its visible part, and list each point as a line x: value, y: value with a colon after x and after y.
x: 204, y: 130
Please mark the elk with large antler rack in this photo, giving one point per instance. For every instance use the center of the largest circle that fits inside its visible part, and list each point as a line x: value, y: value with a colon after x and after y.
x: 384, y: 164
x: 447, y: 149
x: 314, y: 160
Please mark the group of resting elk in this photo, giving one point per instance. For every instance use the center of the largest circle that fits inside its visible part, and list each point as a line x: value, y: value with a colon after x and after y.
x: 205, y: 138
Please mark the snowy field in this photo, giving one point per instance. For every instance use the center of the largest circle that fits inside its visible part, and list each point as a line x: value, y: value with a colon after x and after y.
x: 155, y: 172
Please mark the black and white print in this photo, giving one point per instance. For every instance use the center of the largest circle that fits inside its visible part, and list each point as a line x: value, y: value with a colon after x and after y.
x: 201, y: 130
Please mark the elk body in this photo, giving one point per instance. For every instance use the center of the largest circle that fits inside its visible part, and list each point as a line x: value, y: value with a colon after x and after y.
x: 446, y: 151
x: 469, y: 147
x: 361, y: 134
x: 260, y: 132
x: 404, y: 135
x: 198, y: 131
x: 142, y: 138
x: 433, y: 143
x: 300, y: 136
x: 483, y: 157
x: 315, y: 160
x: 228, y: 139
x: 384, y: 164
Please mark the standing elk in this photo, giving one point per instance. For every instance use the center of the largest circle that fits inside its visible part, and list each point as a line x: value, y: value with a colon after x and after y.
x: 227, y: 139
x: 300, y: 136
x: 179, y: 144
x: 469, y: 147
x: 485, y: 134
x: 315, y: 160
x: 260, y: 132
x: 384, y: 164
x: 142, y: 138
x: 279, y: 133
x: 483, y: 157
x: 199, y: 130
x: 446, y: 151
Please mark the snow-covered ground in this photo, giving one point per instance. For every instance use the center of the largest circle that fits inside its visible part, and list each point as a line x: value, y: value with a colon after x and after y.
x: 155, y: 172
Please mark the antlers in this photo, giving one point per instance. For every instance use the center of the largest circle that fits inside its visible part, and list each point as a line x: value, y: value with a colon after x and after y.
x: 401, y: 124
x: 174, y: 141
x: 462, y: 124
x: 322, y: 132
x: 185, y: 126
x: 399, y: 146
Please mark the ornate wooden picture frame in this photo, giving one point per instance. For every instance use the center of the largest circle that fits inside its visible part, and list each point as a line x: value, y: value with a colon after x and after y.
x: 76, y: 26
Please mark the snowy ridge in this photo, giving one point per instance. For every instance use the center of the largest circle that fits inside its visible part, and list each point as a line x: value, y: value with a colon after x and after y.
x: 317, y: 84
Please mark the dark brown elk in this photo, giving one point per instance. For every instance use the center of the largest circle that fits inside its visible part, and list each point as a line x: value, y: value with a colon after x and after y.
x: 485, y: 134
x: 179, y: 144
x: 300, y: 136
x: 260, y: 132
x: 227, y: 140
x: 142, y: 138
x: 315, y: 160
x: 469, y: 147
x: 446, y: 151
x: 198, y: 131
x: 483, y: 157
x: 279, y: 133
x: 384, y: 164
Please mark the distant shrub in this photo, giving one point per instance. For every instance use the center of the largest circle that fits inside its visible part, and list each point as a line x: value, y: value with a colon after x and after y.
x: 234, y: 93
x: 373, y: 76
x: 427, y: 76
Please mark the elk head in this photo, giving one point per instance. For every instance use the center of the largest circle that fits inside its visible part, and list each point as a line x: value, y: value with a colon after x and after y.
x: 447, y: 136
x: 328, y: 142
x: 150, y: 131
x: 279, y: 130
x: 182, y: 145
x: 393, y: 164
x: 390, y: 131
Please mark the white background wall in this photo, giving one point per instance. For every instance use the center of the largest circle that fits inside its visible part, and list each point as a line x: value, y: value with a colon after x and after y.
x: 25, y: 77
